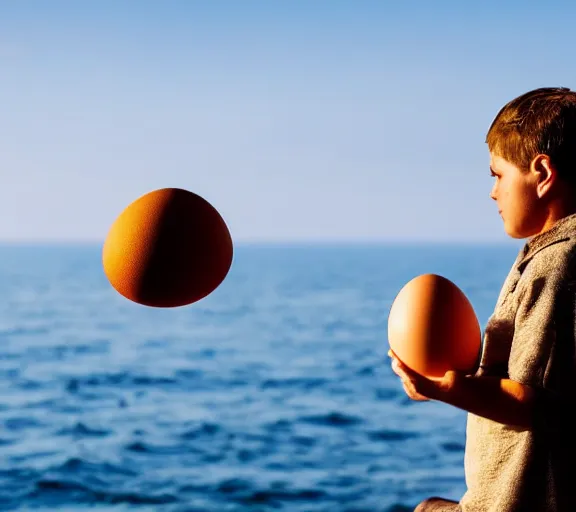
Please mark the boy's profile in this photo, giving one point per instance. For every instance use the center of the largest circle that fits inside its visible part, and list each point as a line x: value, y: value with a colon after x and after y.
x: 521, y: 430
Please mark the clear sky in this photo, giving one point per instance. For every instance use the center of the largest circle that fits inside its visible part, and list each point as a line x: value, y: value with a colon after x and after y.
x: 298, y: 120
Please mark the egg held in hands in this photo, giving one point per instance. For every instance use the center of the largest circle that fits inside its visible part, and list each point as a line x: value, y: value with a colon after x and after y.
x: 432, y: 327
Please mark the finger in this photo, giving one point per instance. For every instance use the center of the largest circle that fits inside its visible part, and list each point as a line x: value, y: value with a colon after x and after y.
x: 413, y: 394
x: 410, y: 391
x: 402, y: 367
x: 407, y: 370
x: 396, y: 368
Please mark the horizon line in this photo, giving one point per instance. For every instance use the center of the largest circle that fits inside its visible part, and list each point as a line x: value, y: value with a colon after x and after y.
x: 281, y: 242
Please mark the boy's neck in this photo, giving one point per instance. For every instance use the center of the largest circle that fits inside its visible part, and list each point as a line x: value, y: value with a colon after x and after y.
x: 558, y: 210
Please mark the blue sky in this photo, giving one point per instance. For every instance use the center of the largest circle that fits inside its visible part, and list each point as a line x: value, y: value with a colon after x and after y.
x: 298, y: 120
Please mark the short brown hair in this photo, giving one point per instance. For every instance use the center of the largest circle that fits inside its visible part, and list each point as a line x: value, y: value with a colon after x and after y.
x: 542, y: 121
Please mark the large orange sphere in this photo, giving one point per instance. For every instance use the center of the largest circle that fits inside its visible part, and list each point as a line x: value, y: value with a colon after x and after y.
x: 432, y: 327
x: 168, y: 248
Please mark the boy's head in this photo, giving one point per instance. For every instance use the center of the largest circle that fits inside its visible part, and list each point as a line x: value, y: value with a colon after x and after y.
x: 532, y: 144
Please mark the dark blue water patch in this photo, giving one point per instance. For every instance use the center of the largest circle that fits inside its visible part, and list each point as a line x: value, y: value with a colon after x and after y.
x: 386, y: 394
x: 245, y: 455
x: 80, y: 397
x: 47, y: 403
x: 280, y: 425
x: 63, y: 352
x: 10, y: 374
x: 77, y: 465
x: 142, y: 447
x: 193, y: 488
x: 366, y: 371
x: 392, y: 435
x: 12, y: 503
x: 28, y: 384
x: 375, y: 468
x: 80, y: 430
x: 197, y: 380
x: 18, y: 474
x: 20, y: 423
x: 277, y: 497
x: 453, y: 446
x: 66, y: 408
x: 333, y: 419
x: 305, y: 383
x: 76, y: 481
x: 64, y: 492
x: 156, y: 450
x: 306, y: 441
x: 10, y: 356
x: 279, y: 466
x: 120, y: 380
x: 234, y: 486
x: 155, y: 382
x: 342, y: 481
x: 201, y: 431
x: 212, y: 458
x: 32, y: 456
x: 361, y: 509
x: 189, y: 375
x: 15, y: 485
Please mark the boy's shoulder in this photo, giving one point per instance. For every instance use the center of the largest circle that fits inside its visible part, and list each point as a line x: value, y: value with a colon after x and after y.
x: 552, y: 254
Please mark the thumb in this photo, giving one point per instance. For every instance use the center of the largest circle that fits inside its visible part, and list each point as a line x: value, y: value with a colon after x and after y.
x: 452, y: 377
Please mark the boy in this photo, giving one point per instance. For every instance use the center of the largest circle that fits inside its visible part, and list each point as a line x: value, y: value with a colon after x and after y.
x: 521, y: 432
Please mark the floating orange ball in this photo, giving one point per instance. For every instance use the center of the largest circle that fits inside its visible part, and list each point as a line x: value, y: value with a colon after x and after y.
x: 168, y: 248
x: 432, y: 327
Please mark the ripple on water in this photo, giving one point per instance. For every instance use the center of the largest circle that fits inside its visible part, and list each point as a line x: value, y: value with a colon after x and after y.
x: 332, y: 419
x: 392, y: 435
x: 80, y: 430
x: 64, y: 491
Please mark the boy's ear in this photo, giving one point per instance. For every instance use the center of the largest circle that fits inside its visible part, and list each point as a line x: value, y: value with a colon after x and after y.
x: 544, y: 172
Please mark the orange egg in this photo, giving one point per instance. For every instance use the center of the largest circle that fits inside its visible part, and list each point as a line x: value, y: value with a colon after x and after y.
x: 168, y: 248
x: 432, y: 327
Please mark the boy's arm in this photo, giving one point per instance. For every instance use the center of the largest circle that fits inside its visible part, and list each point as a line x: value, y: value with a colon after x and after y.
x: 501, y: 400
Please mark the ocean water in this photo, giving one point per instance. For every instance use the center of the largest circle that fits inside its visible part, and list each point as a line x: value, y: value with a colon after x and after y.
x: 273, y: 393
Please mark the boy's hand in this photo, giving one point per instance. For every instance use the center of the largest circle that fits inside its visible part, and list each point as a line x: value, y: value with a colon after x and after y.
x: 416, y: 386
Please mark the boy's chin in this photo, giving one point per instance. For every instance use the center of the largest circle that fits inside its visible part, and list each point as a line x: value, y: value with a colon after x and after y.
x: 518, y: 234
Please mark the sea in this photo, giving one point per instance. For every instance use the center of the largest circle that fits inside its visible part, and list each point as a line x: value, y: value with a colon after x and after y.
x: 274, y: 393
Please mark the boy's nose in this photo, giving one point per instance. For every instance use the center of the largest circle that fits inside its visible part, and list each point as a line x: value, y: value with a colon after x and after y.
x: 493, y: 193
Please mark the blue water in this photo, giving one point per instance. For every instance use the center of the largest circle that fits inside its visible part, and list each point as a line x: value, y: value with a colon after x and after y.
x: 273, y: 393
